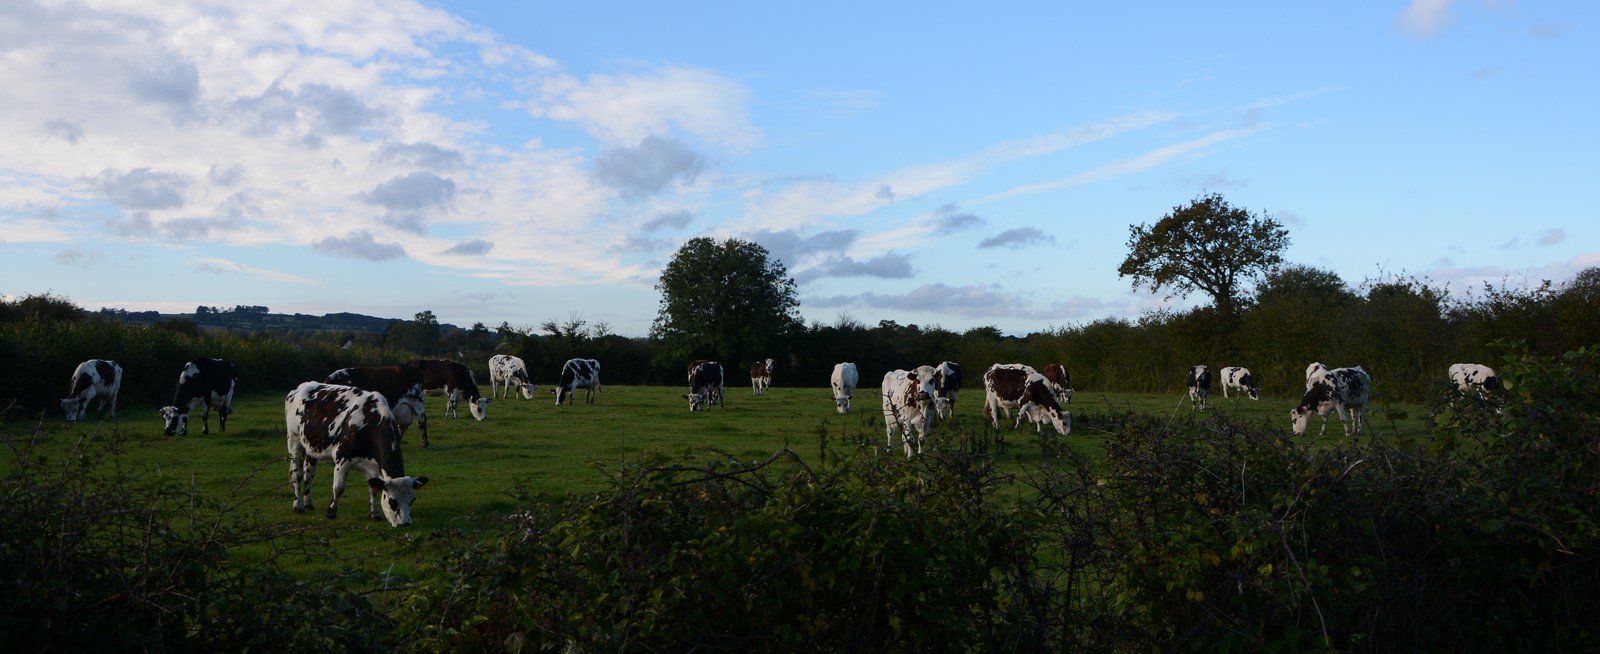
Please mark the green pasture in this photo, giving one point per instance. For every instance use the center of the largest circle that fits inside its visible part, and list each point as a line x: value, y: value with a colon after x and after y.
x: 532, y: 450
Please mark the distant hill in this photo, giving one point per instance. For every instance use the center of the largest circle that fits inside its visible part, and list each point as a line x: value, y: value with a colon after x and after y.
x: 259, y: 319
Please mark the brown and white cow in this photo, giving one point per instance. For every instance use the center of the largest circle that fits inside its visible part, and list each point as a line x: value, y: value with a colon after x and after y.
x: 705, y: 385
x: 1340, y: 389
x: 1239, y: 379
x: 576, y: 374
x: 1017, y: 386
x: 843, y: 381
x: 353, y: 429
x: 1199, y: 386
x: 205, y: 382
x: 1059, y: 380
x: 506, y: 371
x: 905, y: 409
x: 760, y: 377
x: 456, y: 381
x: 95, y: 378
x: 400, y: 386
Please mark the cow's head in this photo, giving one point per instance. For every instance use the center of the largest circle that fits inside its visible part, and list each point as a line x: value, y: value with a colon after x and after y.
x: 1298, y: 418
x: 941, y: 407
x: 480, y: 407
x: 74, y: 408
x: 842, y: 402
x: 176, y: 421
x: 527, y: 386
x: 699, y: 399
x: 396, y: 496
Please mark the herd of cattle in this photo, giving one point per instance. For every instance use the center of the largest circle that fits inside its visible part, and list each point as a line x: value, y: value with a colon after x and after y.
x: 356, y: 416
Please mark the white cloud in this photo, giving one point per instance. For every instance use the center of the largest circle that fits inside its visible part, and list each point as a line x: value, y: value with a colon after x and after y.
x: 624, y: 109
x: 224, y: 266
x: 1424, y: 18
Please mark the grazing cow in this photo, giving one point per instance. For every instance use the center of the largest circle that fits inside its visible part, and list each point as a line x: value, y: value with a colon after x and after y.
x: 716, y: 396
x: 705, y: 385
x: 1199, y: 386
x: 95, y: 378
x: 456, y: 381
x: 1340, y: 389
x: 905, y: 409
x: 1239, y: 379
x: 844, y: 383
x: 1059, y: 380
x: 1470, y: 377
x: 352, y: 428
x: 204, y: 382
x: 400, y: 386
x: 506, y: 371
x: 576, y: 374
x: 760, y: 377
x: 1314, y: 370
x: 946, y: 381
x: 1020, y: 387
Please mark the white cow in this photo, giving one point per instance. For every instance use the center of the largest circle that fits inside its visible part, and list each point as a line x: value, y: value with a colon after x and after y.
x: 95, y: 378
x: 1472, y: 377
x: 1199, y: 386
x: 506, y: 371
x: 905, y: 409
x: 1239, y: 379
x: 844, y: 383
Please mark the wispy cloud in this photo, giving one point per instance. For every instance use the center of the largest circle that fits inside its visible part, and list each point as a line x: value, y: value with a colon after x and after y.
x: 1116, y: 169
x: 1017, y: 238
x: 224, y: 266
x: 1424, y: 18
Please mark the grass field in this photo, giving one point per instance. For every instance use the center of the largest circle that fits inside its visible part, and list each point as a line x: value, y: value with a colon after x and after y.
x: 481, y: 471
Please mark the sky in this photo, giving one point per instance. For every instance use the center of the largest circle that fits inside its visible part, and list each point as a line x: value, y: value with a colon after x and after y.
x: 932, y: 163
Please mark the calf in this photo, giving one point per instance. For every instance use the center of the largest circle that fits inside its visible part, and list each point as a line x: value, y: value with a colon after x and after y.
x: 1059, y: 380
x: 844, y: 381
x: 1340, y: 389
x: 351, y: 428
x: 1016, y: 386
x: 457, y: 383
x: 576, y: 374
x: 929, y: 377
x: 1472, y: 377
x: 1239, y: 379
x: 705, y: 385
x: 905, y: 409
x: 506, y: 371
x: 95, y: 378
x: 400, y: 386
x: 204, y: 382
x: 1199, y: 386
x: 760, y: 377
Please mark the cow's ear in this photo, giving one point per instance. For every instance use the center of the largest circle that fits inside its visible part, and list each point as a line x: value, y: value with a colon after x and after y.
x: 375, y: 483
x: 419, y: 482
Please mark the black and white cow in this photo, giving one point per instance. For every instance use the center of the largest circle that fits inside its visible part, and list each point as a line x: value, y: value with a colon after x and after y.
x: 95, y: 378
x: 760, y: 377
x: 351, y: 428
x: 1199, y: 386
x: 716, y: 396
x: 905, y: 409
x: 1476, y: 378
x: 844, y: 382
x: 205, y: 382
x: 1059, y: 380
x: 456, y: 382
x: 576, y: 374
x: 400, y: 386
x: 1017, y: 386
x: 506, y: 371
x: 946, y: 382
x: 1239, y: 379
x: 705, y: 385
x: 1340, y: 389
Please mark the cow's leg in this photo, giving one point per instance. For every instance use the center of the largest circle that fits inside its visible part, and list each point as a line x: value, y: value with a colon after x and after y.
x: 297, y: 480
x: 340, y: 470
x: 372, y: 501
x: 222, y: 415
x: 205, y: 419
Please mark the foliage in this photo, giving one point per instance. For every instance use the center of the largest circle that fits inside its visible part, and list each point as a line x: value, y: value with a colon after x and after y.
x: 728, y: 301
x: 1207, y: 245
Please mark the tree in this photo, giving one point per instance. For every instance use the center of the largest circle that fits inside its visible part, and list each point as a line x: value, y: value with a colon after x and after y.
x: 728, y: 300
x: 1207, y: 245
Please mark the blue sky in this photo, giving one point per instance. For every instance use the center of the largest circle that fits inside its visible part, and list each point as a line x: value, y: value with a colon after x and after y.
x: 930, y: 163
